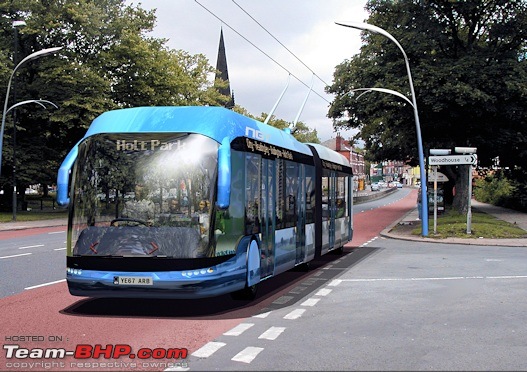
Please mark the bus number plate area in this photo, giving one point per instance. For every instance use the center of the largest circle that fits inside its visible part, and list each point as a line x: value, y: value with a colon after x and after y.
x: 133, y: 280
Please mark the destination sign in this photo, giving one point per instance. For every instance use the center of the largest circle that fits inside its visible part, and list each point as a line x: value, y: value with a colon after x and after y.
x: 471, y: 159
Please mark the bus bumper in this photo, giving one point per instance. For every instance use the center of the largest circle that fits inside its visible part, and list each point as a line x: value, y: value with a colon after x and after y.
x: 188, y: 284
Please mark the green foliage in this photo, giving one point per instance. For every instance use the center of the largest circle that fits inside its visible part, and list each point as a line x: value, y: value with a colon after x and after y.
x: 494, y: 189
x: 468, y: 65
x: 107, y: 62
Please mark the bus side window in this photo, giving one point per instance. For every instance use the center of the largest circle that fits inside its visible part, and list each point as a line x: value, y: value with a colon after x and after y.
x: 325, y: 195
x: 291, y: 186
x: 253, y: 165
x: 341, y: 193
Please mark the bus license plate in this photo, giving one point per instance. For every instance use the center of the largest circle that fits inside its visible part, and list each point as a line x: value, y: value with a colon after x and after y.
x: 133, y: 280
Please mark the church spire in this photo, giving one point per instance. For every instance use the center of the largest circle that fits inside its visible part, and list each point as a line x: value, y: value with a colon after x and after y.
x: 223, y: 73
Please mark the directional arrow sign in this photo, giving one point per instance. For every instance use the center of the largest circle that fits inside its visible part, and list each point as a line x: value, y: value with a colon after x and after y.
x: 471, y: 159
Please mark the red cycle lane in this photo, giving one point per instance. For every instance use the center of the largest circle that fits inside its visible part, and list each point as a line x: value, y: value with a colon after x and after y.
x: 50, y: 318
x: 10, y: 234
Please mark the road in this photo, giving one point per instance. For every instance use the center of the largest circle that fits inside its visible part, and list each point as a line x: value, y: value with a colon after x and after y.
x: 383, y: 305
x: 406, y: 306
x: 41, y: 252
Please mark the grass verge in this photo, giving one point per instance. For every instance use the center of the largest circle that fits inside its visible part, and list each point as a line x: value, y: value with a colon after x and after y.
x: 33, y: 216
x: 453, y: 224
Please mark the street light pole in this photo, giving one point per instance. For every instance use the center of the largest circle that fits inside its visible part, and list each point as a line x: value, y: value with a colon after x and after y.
x: 32, y: 56
x: 16, y: 25
x: 424, y: 198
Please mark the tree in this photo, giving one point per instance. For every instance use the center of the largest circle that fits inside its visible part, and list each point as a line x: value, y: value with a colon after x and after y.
x: 469, y: 69
x: 107, y: 62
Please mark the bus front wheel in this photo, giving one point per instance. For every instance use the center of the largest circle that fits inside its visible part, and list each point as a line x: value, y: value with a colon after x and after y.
x: 253, y: 274
x: 248, y: 293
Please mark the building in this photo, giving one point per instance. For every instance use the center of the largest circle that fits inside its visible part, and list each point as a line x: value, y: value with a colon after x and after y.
x: 355, y: 159
x: 394, y: 170
x: 222, y: 72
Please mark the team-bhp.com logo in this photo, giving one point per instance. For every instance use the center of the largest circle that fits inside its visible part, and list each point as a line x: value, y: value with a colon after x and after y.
x: 84, y: 352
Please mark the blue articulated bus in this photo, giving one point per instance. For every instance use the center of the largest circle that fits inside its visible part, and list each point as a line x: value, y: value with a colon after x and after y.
x: 191, y: 202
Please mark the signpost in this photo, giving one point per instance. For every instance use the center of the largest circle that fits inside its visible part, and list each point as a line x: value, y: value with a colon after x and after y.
x: 469, y: 158
x: 438, y: 153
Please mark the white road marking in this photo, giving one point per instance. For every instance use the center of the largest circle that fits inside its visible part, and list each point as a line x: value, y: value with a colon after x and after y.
x: 323, y: 292
x: 208, y: 349
x: 439, y: 278
x: 272, y: 333
x: 57, y: 232
x: 177, y: 369
x: 369, y: 241
x: 16, y: 255
x: 310, y: 302
x: 31, y: 246
x: 59, y: 249
x: 262, y: 315
x: 239, y: 329
x: 295, y: 314
x: 45, y: 284
x: 247, y: 355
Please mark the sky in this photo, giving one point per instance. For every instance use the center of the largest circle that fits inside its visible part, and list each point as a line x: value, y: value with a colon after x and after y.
x: 260, y: 67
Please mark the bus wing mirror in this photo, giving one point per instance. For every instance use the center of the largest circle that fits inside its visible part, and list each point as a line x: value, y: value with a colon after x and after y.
x: 224, y: 174
x: 63, y: 178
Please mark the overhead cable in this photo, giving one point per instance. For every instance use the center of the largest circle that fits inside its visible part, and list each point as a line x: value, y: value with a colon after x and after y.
x: 264, y: 53
x: 279, y: 42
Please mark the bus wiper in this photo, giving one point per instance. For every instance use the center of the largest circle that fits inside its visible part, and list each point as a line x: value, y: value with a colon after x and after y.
x: 156, y: 247
x: 92, y: 247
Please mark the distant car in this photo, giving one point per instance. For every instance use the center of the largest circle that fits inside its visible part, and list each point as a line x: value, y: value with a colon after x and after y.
x: 398, y: 185
x: 375, y: 186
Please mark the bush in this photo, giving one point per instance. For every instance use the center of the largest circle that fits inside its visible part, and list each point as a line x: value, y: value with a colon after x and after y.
x: 494, y: 189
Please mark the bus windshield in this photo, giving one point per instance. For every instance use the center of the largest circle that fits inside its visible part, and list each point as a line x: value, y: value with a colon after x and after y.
x: 144, y: 195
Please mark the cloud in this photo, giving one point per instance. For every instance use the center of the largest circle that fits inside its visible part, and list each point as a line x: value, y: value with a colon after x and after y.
x: 258, y: 65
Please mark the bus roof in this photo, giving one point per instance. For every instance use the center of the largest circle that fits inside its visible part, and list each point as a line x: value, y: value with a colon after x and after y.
x: 330, y: 155
x: 214, y: 122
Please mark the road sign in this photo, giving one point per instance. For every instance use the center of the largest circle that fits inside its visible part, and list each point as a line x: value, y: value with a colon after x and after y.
x: 471, y: 159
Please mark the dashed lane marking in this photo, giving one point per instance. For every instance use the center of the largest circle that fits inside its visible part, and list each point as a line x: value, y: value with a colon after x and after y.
x: 310, y: 302
x: 262, y: 315
x: 239, y: 329
x: 208, y: 349
x: 247, y: 355
x: 295, y: 314
x: 323, y: 292
x: 15, y: 255
x: 272, y: 333
x: 31, y: 246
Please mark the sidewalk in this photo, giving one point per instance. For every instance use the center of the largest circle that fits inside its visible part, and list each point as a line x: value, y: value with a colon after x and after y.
x: 410, y: 221
x: 21, y: 225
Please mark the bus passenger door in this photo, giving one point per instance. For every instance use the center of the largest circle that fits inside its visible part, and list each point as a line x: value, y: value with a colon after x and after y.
x: 301, y: 213
x: 332, y: 208
x: 267, y: 220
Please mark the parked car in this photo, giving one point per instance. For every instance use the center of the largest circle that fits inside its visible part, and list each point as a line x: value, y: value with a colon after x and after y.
x: 375, y: 186
x: 398, y: 185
